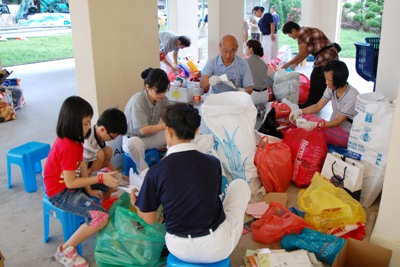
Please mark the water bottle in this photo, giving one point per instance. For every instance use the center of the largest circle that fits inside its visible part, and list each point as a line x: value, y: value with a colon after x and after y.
x: 196, y: 98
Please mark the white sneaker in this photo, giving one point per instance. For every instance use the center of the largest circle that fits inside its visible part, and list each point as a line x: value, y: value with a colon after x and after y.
x: 70, y: 257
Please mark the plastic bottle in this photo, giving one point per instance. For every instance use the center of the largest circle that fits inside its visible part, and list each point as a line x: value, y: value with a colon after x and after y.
x: 191, y: 65
x: 196, y: 98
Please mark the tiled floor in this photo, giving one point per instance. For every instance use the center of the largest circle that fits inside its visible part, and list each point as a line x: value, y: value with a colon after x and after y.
x: 46, y: 85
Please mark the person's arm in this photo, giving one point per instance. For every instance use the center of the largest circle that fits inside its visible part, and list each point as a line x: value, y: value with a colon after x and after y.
x: 148, y: 217
x: 272, y: 25
x: 152, y: 129
x: 175, y: 57
x: 298, y: 58
x: 337, y: 122
x: 72, y: 182
x: 88, y: 189
x: 249, y: 90
x: 315, y: 107
x: 166, y: 62
x: 204, y: 81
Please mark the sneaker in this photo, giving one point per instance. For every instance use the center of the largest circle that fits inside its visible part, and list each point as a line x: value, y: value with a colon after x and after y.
x: 70, y: 257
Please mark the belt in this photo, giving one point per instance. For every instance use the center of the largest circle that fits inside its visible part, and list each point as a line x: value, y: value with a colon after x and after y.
x: 260, y: 90
x: 209, y: 231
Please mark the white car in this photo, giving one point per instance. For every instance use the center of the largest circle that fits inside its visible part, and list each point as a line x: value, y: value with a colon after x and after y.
x: 47, y: 19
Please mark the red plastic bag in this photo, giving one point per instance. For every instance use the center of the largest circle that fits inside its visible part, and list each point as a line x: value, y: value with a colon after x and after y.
x: 304, y: 88
x: 282, y: 110
x: 274, y: 164
x: 275, y: 223
x: 309, y: 149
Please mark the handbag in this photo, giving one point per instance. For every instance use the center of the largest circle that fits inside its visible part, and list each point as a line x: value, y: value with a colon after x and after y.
x: 274, y: 164
x: 7, y: 112
x: 275, y: 223
x: 344, y: 173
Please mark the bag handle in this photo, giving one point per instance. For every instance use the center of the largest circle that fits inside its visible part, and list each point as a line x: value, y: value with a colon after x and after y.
x: 320, y: 125
x: 338, y: 177
x: 259, y: 148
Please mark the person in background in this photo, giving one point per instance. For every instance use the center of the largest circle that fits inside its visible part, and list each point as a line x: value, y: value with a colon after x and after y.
x: 188, y: 184
x: 205, y: 22
x: 96, y: 154
x: 227, y: 62
x: 254, y: 29
x: 343, y: 98
x: 311, y: 41
x: 246, y: 29
x: 143, y: 114
x: 259, y: 71
x: 275, y: 16
x: 268, y: 31
x: 63, y: 184
x: 172, y: 42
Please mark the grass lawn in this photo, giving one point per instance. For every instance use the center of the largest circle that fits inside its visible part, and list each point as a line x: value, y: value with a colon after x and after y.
x: 40, y: 49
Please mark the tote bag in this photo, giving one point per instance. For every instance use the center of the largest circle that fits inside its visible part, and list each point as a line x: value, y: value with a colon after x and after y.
x: 344, y: 173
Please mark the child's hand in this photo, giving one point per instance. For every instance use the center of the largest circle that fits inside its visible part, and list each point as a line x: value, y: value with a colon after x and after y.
x: 109, y: 179
x: 95, y: 193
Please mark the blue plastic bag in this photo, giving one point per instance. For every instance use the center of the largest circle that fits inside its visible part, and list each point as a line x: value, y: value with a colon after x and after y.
x: 325, y: 247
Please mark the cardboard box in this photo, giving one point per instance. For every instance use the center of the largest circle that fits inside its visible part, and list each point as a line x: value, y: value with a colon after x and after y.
x: 2, y: 259
x: 180, y: 94
x: 356, y: 253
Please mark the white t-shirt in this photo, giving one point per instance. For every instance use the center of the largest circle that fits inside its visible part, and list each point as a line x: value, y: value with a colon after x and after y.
x: 344, y: 105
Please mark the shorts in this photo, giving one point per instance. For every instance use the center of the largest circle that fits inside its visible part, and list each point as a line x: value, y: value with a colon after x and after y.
x: 77, y: 202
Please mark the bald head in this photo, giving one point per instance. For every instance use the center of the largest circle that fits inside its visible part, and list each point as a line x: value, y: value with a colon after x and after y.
x: 228, y: 47
x: 229, y: 40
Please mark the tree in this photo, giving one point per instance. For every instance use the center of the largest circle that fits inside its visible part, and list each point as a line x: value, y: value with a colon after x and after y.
x: 368, y: 13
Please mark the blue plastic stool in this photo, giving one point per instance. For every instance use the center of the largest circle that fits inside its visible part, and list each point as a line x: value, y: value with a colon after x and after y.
x: 151, y: 157
x: 173, y: 261
x: 70, y: 222
x: 28, y: 156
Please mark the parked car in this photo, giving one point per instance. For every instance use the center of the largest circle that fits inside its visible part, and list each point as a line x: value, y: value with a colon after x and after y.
x: 47, y: 19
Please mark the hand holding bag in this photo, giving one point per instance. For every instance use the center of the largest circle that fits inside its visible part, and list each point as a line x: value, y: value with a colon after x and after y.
x: 276, y: 222
x: 344, y: 173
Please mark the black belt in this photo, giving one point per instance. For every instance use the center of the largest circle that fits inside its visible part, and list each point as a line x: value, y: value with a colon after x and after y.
x: 260, y: 90
x: 209, y: 231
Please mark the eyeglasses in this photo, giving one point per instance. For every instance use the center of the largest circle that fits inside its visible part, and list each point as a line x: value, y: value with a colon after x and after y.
x: 112, y: 138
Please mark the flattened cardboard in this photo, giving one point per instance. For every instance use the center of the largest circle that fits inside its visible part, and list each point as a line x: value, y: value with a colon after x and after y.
x: 280, y: 198
x: 356, y: 253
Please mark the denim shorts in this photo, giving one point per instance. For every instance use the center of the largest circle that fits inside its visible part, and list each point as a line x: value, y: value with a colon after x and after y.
x: 77, y: 202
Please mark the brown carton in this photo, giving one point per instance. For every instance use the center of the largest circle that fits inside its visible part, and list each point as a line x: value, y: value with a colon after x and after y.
x: 357, y: 253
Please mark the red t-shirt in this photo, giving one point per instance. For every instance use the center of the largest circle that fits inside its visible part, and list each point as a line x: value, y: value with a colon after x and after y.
x: 65, y: 155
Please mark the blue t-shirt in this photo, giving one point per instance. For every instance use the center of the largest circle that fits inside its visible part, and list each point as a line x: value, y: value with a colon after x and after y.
x: 265, y: 24
x: 238, y: 71
x: 187, y: 184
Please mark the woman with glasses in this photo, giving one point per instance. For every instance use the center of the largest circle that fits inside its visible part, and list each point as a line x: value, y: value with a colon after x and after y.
x: 143, y: 113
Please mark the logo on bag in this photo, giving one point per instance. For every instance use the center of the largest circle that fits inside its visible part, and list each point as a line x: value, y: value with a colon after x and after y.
x: 366, y: 137
x: 368, y: 117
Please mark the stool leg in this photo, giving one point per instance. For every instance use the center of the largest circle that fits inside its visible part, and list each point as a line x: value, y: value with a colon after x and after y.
x: 38, y: 167
x: 29, y: 175
x: 9, y: 174
x: 46, y: 224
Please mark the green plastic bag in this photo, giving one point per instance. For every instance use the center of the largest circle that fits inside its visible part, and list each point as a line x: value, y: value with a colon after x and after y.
x: 127, y: 240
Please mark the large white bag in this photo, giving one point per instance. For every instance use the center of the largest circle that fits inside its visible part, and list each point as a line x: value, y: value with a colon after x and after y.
x: 231, y: 118
x: 369, y: 141
x: 286, y: 84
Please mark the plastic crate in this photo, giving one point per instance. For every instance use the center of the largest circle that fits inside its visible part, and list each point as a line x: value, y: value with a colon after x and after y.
x: 374, y: 41
x: 365, y: 61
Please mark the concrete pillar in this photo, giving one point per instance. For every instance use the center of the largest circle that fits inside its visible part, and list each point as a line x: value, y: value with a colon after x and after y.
x: 113, y: 43
x: 386, y: 232
x: 182, y: 23
x: 324, y: 15
x: 224, y: 17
